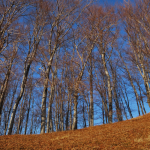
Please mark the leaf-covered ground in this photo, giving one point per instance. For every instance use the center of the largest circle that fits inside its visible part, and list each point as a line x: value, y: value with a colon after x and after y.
x: 132, y: 134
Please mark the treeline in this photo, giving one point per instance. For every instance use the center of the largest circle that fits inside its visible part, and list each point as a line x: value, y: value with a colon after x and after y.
x: 61, y: 60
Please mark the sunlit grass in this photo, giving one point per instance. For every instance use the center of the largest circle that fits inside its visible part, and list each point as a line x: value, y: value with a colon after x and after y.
x: 132, y: 134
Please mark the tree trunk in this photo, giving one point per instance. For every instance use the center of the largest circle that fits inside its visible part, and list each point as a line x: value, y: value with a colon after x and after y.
x: 70, y: 113
x: 20, y: 117
x: 114, y: 78
x: 118, y: 109
x: 67, y: 116
x: 4, y: 88
x: 103, y: 113
x: 26, y: 71
x: 14, y: 92
x: 74, y: 126
x: 56, y: 113
x: 140, y: 65
x: 103, y: 97
x: 31, y: 130
x: 51, y: 121
x: 49, y: 117
x: 131, y: 81
x: 104, y: 102
x: 84, y: 118
x: 124, y: 109
x: 43, y: 108
x: 28, y: 113
x: 127, y: 101
x: 141, y: 99
x: 109, y: 89
x: 91, y: 94
x: 61, y: 117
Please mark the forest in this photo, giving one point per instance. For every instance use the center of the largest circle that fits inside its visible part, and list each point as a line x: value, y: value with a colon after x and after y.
x: 66, y: 63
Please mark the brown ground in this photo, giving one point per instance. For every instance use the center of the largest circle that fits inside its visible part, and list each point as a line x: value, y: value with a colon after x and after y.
x: 132, y: 134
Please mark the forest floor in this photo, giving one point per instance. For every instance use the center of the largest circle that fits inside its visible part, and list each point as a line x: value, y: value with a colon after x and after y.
x: 133, y: 134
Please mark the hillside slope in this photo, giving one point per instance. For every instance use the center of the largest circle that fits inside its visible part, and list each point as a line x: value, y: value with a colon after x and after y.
x: 132, y: 134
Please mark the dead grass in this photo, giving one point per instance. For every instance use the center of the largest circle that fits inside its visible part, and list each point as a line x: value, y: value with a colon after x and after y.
x: 132, y: 134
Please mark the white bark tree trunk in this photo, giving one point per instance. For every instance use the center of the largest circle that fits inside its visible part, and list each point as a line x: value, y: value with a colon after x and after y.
x: 109, y: 88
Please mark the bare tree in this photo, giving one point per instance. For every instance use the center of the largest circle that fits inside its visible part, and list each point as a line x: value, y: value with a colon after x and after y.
x: 33, y: 47
x: 30, y: 97
x: 106, y: 27
x: 83, y: 54
x: 138, y: 37
x: 63, y: 20
x: 4, y: 85
x: 12, y: 100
